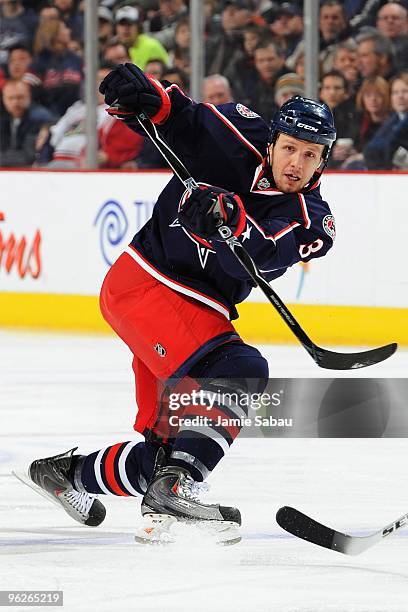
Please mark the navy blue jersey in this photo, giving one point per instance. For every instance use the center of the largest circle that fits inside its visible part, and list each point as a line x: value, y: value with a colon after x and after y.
x: 226, y: 146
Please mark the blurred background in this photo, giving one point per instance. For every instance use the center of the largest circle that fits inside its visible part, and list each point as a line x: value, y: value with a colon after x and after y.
x: 353, y: 54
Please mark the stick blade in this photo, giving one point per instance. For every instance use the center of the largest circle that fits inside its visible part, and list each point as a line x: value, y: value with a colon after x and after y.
x: 353, y: 361
x: 304, y: 527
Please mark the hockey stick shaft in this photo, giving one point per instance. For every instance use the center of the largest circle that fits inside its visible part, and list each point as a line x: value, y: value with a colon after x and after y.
x: 322, y: 357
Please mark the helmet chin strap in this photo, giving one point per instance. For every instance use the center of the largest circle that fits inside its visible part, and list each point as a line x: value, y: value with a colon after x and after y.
x: 316, y: 175
x: 268, y: 163
x: 269, y: 155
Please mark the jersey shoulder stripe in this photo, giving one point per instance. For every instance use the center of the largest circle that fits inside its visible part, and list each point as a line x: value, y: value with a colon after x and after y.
x: 232, y: 127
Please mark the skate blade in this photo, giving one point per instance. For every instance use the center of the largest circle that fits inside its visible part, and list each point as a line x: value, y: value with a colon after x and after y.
x: 23, y: 476
x: 223, y: 533
x: 167, y: 529
x: 156, y: 529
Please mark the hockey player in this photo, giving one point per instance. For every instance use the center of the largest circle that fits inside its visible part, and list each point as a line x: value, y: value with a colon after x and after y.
x: 172, y: 294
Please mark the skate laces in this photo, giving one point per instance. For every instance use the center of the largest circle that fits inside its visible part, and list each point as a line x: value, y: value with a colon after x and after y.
x: 81, y: 502
x: 191, y: 489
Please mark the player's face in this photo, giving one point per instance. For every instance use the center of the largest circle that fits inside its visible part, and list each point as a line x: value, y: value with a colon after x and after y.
x: 294, y: 162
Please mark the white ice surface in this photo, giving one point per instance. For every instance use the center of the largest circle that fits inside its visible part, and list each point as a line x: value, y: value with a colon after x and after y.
x: 58, y: 391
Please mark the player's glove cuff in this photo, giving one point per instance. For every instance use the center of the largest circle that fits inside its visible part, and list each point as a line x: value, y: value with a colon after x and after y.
x: 163, y: 113
x: 204, y: 211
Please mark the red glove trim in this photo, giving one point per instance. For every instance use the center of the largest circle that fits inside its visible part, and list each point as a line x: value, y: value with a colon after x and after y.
x: 163, y: 114
x: 202, y: 241
x: 242, y: 217
x: 220, y: 199
x: 242, y: 214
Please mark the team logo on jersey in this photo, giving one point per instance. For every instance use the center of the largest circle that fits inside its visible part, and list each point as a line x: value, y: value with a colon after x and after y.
x: 246, y: 235
x: 329, y: 226
x: 160, y: 349
x: 263, y: 183
x: 203, y: 247
x: 246, y: 112
x: 202, y: 251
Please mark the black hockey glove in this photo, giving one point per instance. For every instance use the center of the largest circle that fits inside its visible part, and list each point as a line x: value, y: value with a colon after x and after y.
x: 129, y: 87
x: 206, y: 209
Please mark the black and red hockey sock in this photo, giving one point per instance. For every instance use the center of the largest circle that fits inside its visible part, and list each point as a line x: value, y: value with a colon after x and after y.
x: 123, y: 469
x: 224, y: 377
x: 206, y: 431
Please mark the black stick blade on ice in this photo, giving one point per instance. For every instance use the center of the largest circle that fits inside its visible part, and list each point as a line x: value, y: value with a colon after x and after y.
x: 306, y: 528
x: 302, y: 526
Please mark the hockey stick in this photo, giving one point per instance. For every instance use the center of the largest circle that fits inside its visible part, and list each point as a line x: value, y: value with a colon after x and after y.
x: 302, y: 526
x: 323, y: 357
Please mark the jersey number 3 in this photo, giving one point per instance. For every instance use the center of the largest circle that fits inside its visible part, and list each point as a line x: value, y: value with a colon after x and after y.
x: 306, y: 250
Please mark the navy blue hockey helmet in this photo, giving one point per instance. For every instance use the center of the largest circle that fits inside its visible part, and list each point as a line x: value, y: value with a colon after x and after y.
x: 307, y: 120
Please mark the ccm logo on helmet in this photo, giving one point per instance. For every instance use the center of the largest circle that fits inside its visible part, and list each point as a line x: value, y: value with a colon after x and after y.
x: 307, y: 127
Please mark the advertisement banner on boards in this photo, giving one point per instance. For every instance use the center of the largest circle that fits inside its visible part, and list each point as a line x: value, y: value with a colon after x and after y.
x: 60, y: 232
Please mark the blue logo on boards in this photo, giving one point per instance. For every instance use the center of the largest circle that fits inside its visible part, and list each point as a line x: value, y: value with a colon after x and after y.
x: 113, y: 227
x: 117, y: 227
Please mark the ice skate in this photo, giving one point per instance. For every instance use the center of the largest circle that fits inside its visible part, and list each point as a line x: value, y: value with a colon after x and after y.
x: 173, y: 497
x: 48, y: 477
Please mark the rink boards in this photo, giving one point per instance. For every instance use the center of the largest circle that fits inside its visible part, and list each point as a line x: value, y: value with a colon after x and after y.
x: 60, y: 232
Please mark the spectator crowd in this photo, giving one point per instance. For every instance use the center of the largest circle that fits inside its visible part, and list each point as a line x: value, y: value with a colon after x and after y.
x: 254, y: 54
